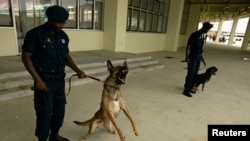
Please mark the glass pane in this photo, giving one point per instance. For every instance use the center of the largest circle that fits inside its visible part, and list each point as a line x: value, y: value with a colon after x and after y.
x: 142, y: 21
x: 129, y: 2
x: 160, y: 22
x: 144, y: 4
x: 155, y: 23
x: 136, y: 3
x: 162, y: 8
x: 157, y: 6
x: 151, y: 5
x: 98, y: 15
x: 40, y: 7
x: 86, y: 14
x: 128, y: 19
x: 71, y: 6
x: 134, y: 20
x: 149, y: 22
x: 5, y: 13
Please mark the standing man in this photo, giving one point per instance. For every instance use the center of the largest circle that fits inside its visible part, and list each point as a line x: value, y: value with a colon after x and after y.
x: 194, y: 56
x: 45, y: 55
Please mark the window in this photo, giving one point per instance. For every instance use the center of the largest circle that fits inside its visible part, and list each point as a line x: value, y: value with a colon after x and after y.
x: 134, y: 20
x: 83, y: 14
x: 147, y: 16
x: 142, y: 21
x: 71, y: 6
x: 128, y: 19
x: 86, y: 14
x: 5, y: 13
x: 91, y: 14
x: 149, y: 22
x: 136, y: 3
x: 98, y: 17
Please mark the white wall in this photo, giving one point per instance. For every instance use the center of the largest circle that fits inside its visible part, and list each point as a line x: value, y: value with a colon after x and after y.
x: 144, y: 42
x: 84, y: 40
x: 182, y: 41
x: 8, y: 45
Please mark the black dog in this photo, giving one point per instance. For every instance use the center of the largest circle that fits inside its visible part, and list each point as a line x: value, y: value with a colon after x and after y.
x: 204, y: 78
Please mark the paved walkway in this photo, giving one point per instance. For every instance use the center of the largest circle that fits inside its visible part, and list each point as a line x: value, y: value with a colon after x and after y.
x: 153, y: 97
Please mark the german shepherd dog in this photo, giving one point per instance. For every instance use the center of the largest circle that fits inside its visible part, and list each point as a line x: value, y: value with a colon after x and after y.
x: 111, y: 104
x: 203, y: 78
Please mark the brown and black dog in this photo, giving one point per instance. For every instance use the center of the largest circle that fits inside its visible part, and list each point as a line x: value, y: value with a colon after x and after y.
x: 203, y: 78
x: 111, y: 103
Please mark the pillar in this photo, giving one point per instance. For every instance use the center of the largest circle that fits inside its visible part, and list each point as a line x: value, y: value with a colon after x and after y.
x: 115, y: 16
x: 219, y: 31
x: 233, y: 30
x: 174, y: 24
x: 247, y: 36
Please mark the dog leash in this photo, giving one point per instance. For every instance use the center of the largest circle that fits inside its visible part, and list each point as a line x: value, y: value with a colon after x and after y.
x: 50, y: 92
x: 94, y: 78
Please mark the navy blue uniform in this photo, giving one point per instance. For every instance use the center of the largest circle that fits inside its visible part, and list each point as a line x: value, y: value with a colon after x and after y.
x: 49, y: 57
x: 196, y: 41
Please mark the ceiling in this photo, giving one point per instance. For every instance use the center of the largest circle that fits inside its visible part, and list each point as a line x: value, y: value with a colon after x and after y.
x: 215, y: 10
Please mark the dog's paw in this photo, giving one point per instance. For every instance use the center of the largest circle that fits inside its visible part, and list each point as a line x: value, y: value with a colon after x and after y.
x: 83, y: 138
x: 124, y: 139
x: 113, y: 132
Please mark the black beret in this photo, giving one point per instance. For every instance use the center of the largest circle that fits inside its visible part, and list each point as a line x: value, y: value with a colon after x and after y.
x: 207, y: 25
x: 57, y: 14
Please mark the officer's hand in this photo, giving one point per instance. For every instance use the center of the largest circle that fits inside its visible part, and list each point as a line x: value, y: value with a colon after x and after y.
x: 40, y: 85
x: 187, y: 60
x: 81, y: 74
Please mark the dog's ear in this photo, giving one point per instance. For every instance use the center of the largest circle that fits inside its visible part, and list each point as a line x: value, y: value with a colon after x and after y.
x: 110, y: 66
x: 125, y: 64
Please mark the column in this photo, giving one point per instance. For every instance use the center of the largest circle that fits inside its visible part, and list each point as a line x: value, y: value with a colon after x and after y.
x: 247, y: 37
x: 115, y: 16
x: 218, y: 31
x: 193, y: 20
x: 233, y: 30
x: 174, y: 24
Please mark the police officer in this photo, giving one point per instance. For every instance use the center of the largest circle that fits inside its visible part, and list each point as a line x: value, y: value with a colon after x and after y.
x: 45, y: 55
x: 194, y: 56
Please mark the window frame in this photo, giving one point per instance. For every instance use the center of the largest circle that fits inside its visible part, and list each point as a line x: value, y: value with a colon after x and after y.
x: 154, y: 20
x: 9, y: 15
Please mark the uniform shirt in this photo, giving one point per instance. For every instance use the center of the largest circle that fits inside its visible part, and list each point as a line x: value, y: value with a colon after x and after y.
x: 196, y: 41
x: 49, y: 52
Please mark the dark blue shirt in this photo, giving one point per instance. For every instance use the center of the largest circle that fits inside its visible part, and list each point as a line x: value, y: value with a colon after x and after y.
x: 196, y: 41
x: 49, y: 52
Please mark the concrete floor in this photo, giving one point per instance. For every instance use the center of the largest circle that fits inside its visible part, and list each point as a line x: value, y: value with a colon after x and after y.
x: 155, y: 101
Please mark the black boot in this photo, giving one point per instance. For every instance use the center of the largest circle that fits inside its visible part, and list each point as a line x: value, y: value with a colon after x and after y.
x: 186, y: 93
x: 56, y: 137
x: 192, y: 91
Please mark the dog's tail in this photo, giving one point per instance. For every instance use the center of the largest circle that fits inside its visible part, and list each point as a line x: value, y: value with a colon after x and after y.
x: 84, y: 123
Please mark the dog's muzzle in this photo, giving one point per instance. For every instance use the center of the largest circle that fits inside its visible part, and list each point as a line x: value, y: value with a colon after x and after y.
x: 122, y: 76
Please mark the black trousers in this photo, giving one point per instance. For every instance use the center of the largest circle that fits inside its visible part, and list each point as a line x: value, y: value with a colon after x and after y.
x: 193, y: 68
x: 50, y: 107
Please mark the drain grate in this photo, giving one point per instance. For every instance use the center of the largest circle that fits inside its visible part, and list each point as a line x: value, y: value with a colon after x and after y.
x: 169, y: 57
